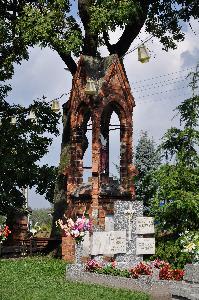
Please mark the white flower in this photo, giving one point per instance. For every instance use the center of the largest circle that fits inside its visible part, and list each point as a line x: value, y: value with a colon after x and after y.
x: 33, y: 231
x: 75, y: 232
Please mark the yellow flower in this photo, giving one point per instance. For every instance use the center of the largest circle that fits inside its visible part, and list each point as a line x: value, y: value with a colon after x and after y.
x: 190, y: 247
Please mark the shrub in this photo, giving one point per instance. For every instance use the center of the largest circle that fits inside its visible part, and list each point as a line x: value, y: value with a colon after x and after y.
x: 171, y: 250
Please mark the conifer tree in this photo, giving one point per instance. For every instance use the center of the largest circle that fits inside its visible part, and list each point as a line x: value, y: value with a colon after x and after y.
x: 147, y: 160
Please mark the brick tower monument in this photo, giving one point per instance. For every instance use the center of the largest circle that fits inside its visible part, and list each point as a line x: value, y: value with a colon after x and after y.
x: 110, y: 92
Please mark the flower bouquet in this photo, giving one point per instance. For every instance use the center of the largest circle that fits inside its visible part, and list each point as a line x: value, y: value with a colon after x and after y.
x: 4, y: 232
x: 76, y: 229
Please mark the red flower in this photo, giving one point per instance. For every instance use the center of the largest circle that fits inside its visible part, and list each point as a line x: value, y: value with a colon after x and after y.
x: 141, y: 269
x: 167, y: 273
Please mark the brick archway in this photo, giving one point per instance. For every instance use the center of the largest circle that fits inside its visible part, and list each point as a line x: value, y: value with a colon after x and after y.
x: 79, y: 142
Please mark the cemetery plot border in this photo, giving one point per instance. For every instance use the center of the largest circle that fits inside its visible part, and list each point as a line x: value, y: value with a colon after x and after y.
x: 158, y: 289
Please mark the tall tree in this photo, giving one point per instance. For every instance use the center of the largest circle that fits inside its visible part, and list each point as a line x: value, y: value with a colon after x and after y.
x: 178, y: 181
x: 22, y: 146
x: 27, y: 23
x: 147, y: 160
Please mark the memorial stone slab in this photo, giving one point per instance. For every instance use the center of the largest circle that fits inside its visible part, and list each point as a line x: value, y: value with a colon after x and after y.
x: 86, y: 245
x: 108, y: 243
x: 145, y: 246
x: 144, y: 225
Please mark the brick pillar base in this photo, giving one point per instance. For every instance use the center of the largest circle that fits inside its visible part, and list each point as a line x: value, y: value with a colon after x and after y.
x: 68, y: 249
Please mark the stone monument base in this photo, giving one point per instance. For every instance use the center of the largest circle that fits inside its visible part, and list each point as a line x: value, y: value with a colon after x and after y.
x: 189, y: 288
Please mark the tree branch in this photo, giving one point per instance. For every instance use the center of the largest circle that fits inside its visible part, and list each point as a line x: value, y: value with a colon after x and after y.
x: 67, y: 58
x: 131, y: 31
x: 90, y: 39
x: 106, y: 40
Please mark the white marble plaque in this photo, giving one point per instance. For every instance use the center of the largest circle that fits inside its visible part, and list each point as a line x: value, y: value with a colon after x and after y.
x: 109, y: 222
x: 145, y: 246
x: 144, y: 225
x: 86, y: 245
x: 108, y: 243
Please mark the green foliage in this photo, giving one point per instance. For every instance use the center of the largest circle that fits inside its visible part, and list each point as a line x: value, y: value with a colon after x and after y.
x: 182, y: 143
x: 110, y: 270
x: 22, y: 146
x: 2, y: 219
x: 64, y: 158
x: 176, y: 203
x: 109, y: 14
x: 147, y: 160
x: 12, y: 48
x: 47, y: 24
x: 45, y: 181
x: 45, y: 278
x: 29, y: 23
x: 170, y: 249
x: 42, y: 216
x: 190, y: 243
x: 162, y: 17
x: 24, y: 24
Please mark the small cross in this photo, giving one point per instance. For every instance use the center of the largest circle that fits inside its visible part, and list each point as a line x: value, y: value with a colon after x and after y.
x: 130, y: 212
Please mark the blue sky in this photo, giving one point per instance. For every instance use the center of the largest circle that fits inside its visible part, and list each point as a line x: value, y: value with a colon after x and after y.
x: 158, y: 87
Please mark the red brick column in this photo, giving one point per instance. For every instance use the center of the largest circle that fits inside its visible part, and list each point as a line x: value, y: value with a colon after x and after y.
x: 68, y: 249
x: 95, y: 166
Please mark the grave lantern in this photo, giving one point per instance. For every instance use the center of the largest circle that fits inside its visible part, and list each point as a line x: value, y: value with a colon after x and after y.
x: 32, y: 116
x: 55, y: 106
x: 90, y: 88
x: 13, y: 121
x: 143, y: 54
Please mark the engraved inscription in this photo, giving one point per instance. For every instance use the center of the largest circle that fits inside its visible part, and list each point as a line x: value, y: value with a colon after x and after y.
x: 144, y: 225
x: 108, y: 243
x: 145, y: 246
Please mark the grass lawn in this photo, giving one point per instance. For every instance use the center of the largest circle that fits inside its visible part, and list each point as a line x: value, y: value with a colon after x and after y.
x: 43, y: 279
